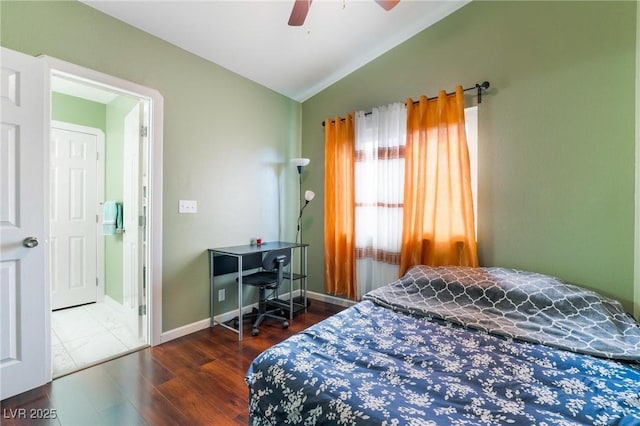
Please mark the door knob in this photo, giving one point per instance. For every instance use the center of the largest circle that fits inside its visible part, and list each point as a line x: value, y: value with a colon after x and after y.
x: 30, y: 242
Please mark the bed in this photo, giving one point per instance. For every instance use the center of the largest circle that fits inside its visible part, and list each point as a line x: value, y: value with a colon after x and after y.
x: 457, y: 346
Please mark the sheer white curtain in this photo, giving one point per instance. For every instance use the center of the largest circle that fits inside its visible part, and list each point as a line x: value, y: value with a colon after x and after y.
x: 379, y: 187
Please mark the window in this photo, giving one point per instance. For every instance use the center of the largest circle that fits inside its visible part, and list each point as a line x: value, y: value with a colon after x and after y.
x: 471, y: 124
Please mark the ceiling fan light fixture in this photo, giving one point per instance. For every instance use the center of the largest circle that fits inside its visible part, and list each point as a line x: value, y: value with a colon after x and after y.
x: 387, y: 4
x: 299, y: 12
x: 301, y: 9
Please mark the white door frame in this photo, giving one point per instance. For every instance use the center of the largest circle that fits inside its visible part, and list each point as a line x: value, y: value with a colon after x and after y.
x: 132, y: 238
x: 637, y: 185
x: 99, y: 134
x: 154, y: 216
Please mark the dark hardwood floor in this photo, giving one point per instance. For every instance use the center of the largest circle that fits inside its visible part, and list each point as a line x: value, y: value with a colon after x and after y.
x: 194, y: 380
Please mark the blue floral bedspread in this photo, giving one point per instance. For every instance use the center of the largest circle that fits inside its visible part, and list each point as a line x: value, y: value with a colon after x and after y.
x: 370, y: 365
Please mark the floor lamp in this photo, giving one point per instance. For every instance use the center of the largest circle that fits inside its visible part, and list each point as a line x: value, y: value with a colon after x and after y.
x: 300, y: 164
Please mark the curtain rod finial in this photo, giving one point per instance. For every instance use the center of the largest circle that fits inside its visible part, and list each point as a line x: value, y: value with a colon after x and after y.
x: 483, y: 86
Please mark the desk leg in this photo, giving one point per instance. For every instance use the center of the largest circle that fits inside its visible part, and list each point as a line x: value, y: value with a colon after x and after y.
x: 291, y: 263
x: 240, y: 322
x: 211, y: 290
x: 306, y: 276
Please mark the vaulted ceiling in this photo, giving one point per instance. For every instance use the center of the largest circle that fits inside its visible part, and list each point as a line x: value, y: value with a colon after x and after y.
x: 253, y: 39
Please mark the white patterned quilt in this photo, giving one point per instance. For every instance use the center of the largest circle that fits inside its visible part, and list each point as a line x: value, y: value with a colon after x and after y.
x: 519, y: 304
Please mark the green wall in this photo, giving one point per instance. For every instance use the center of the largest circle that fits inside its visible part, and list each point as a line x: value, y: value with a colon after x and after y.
x: 227, y: 140
x: 556, y: 131
x: 78, y: 111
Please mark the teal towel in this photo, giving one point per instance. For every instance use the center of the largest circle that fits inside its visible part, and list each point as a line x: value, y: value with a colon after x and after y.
x: 111, y: 218
x: 119, y: 223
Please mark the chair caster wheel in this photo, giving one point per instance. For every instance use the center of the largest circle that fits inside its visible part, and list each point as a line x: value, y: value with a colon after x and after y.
x: 285, y: 324
x: 254, y: 332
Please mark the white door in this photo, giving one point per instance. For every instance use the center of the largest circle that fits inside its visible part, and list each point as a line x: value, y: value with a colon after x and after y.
x: 131, y: 208
x: 24, y: 291
x: 73, y: 217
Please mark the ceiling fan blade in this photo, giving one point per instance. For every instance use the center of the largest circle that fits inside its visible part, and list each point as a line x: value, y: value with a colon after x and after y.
x: 387, y: 4
x: 299, y: 12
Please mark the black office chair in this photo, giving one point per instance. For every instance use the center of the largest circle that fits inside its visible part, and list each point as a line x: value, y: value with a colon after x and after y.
x: 269, y: 278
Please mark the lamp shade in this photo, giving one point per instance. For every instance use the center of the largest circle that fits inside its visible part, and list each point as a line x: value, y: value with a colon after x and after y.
x: 309, y: 195
x: 300, y: 162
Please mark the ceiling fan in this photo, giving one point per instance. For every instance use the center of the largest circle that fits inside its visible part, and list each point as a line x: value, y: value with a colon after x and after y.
x: 301, y: 8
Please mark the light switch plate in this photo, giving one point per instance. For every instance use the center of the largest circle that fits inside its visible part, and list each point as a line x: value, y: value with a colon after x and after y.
x: 187, y: 206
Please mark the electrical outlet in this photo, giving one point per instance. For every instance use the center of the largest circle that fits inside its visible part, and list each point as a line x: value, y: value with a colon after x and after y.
x: 221, y: 295
x: 187, y: 206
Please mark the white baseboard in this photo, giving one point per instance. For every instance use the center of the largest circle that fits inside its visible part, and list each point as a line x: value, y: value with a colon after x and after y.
x: 226, y: 316
x: 184, y: 330
x: 330, y: 299
x: 202, y: 324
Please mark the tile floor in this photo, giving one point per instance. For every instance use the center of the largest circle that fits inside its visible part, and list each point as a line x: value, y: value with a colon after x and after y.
x: 88, y: 334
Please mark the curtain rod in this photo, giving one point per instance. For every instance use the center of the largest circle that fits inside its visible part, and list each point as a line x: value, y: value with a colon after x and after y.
x: 479, y: 87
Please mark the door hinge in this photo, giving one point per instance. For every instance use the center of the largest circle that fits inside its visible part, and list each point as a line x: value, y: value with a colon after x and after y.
x: 96, y: 281
x: 142, y: 310
x: 144, y: 130
x: 142, y: 221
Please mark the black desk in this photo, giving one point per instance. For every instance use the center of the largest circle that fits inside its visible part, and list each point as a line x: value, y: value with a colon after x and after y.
x: 225, y: 260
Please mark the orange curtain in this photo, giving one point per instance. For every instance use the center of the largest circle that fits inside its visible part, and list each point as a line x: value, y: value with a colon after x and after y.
x: 438, y: 222
x: 339, y: 207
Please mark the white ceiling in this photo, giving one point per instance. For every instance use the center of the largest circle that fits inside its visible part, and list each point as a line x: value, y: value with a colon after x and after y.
x: 252, y: 38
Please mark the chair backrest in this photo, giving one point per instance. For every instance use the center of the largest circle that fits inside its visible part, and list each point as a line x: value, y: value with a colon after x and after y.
x: 275, y: 261
x: 272, y: 259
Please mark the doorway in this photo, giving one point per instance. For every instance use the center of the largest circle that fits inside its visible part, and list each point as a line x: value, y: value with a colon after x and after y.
x: 25, y: 296
x: 99, y: 165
